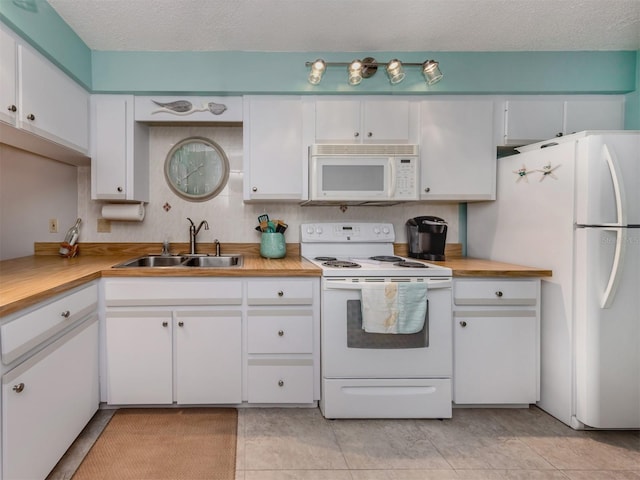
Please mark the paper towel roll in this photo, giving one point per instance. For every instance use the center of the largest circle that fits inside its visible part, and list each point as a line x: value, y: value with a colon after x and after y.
x: 128, y: 212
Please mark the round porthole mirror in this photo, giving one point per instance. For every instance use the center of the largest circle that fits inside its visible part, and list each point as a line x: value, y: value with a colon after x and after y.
x: 196, y: 169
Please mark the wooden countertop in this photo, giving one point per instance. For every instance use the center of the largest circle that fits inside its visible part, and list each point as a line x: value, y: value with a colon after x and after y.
x: 28, y: 280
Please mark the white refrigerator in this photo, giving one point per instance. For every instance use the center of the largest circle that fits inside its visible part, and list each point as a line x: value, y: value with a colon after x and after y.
x: 572, y: 205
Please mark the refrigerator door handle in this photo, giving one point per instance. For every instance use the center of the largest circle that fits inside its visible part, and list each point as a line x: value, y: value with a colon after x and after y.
x: 618, y: 185
x: 616, y: 268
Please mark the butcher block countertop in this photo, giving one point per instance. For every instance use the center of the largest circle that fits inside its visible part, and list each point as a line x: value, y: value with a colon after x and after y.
x: 28, y: 280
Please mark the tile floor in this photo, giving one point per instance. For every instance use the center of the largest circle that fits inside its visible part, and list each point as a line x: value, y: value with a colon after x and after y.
x: 292, y: 444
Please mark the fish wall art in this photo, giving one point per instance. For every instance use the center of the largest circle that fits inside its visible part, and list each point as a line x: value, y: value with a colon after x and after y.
x: 185, y: 107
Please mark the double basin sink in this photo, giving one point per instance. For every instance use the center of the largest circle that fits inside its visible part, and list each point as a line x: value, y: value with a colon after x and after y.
x: 197, y: 261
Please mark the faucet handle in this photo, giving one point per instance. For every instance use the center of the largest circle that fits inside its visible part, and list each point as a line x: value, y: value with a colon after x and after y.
x: 166, y: 246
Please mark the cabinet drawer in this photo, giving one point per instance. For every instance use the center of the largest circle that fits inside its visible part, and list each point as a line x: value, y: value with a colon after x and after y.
x: 495, y: 292
x: 280, y: 381
x: 172, y: 292
x: 29, y: 330
x: 280, y: 332
x: 281, y: 292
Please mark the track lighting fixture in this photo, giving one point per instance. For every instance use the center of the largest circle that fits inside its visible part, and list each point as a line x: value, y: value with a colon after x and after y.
x: 367, y: 67
x: 317, y: 69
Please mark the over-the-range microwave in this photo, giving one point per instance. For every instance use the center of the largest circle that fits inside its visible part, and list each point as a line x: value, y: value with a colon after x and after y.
x: 363, y: 173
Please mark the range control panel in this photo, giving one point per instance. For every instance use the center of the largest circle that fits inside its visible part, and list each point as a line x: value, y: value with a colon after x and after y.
x: 347, y: 232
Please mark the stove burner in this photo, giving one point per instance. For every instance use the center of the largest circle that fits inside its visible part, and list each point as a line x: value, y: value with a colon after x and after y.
x: 410, y: 264
x: 341, y: 264
x: 325, y: 259
x: 386, y: 258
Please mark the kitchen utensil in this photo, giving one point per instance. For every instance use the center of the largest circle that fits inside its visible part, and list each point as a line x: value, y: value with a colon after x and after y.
x: 281, y: 226
x: 263, y: 218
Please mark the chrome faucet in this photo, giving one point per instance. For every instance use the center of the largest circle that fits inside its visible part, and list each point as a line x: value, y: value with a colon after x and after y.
x: 193, y: 232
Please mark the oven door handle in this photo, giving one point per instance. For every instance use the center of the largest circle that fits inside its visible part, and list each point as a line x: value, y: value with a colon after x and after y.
x: 431, y: 283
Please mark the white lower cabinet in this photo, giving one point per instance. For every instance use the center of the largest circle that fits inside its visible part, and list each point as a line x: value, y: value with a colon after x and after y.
x: 173, y: 340
x: 50, y: 383
x: 283, y: 341
x: 143, y: 347
x: 496, y: 341
x: 215, y: 341
x: 46, y: 401
x: 139, y: 357
x: 208, y: 357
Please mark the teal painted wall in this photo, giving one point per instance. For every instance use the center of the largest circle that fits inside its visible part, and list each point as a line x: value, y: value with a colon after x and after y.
x: 286, y: 73
x: 236, y: 73
x: 632, y: 102
x: 40, y: 25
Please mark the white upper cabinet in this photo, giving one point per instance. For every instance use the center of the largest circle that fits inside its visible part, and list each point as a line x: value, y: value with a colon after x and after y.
x: 531, y: 119
x: 594, y: 114
x: 457, y: 151
x: 119, y: 150
x: 178, y: 109
x: 8, y: 98
x: 379, y: 120
x: 37, y: 98
x: 50, y: 104
x: 275, y: 153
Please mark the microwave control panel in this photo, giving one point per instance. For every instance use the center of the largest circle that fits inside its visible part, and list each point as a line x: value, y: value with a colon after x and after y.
x: 406, y: 178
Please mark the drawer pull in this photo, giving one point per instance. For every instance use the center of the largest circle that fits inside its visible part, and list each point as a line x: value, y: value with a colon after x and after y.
x: 281, y: 383
x: 18, y: 388
x: 12, y: 108
x: 281, y: 293
x: 165, y: 324
x: 31, y: 117
x: 281, y: 333
x: 498, y: 294
x: 181, y: 324
x: 463, y: 324
x: 65, y: 314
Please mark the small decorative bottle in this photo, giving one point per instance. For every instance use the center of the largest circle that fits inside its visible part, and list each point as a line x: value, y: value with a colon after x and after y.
x: 69, y: 247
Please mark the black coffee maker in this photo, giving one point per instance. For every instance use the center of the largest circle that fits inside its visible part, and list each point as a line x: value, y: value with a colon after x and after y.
x: 426, y: 237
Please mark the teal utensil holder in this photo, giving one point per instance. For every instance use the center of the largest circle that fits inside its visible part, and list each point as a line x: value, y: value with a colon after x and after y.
x: 272, y: 245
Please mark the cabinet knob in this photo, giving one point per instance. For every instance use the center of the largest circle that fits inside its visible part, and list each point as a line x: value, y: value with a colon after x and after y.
x: 119, y: 189
x: 356, y: 134
x: 281, y: 383
x: 254, y: 189
x: 12, y: 108
x: 31, y: 117
x: 18, y: 388
x: 463, y: 324
x: 165, y: 324
x: 281, y: 293
x: 65, y: 314
x: 370, y: 134
x: 498, y: 294
x: 281, y: 333
x: 427, y: 189
x: 181, y: 324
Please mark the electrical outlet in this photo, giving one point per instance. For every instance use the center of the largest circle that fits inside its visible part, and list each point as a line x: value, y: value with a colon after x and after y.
x: 104, y: 226
x: 53, y: 225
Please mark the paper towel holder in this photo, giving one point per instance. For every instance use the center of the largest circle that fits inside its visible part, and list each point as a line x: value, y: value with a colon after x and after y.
x: 127, y: 212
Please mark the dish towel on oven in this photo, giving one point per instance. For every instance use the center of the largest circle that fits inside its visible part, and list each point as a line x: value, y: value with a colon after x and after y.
x: 393, y: 307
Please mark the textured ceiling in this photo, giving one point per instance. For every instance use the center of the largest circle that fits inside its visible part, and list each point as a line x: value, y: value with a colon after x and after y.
x: 354, y: 25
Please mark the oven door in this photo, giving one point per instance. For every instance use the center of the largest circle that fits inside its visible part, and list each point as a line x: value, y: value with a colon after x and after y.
x: 349, y: 352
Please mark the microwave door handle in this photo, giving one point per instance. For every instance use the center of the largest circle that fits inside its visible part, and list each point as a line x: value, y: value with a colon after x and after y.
x: 392, y: 179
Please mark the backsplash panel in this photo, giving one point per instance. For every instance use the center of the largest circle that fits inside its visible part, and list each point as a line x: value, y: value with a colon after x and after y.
x: 229, y: 218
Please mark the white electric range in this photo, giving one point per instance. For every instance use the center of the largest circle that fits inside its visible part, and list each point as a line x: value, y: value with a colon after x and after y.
x: 373, y: 375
